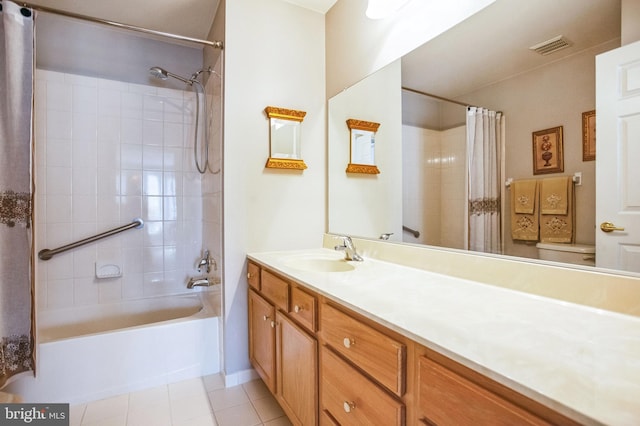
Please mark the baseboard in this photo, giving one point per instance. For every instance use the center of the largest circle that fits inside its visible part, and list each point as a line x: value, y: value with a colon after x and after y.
x: 239, y: 377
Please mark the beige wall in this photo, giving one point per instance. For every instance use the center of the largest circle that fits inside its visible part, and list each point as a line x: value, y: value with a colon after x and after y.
x: 630, y: 19
x: 358, y: 46
x: 274, y: 56
x: 555, y: 95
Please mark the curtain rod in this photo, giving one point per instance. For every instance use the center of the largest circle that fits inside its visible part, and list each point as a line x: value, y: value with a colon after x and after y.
x: 215, y: 44
x: 436, y: 97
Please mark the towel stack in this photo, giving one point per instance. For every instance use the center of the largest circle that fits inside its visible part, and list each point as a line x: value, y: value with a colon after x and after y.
x: 543, y: 210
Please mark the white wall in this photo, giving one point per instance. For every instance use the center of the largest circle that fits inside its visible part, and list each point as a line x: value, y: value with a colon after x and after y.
x: 367, y: 204
x: 358, y: 46
x: 274, y: 55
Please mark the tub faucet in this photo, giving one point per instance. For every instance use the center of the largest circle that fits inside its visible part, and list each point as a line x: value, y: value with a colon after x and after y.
x: 199, y: 282
x: 207, y: 261
x: 350, y: 252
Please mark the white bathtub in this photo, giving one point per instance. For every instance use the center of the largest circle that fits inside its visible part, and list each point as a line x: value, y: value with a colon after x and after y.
x: 91, y: 353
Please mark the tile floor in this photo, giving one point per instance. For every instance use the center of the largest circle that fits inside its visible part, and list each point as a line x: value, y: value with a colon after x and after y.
x: 197, y: 402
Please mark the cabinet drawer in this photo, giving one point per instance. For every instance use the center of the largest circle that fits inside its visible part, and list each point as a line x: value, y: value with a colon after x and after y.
x: 446, y: 397
x: 326, y: 419
x: 303, y: 308
x: 253, y: 275
x: 380, y: 356
x: 275, y: 289
x: 352, y: 399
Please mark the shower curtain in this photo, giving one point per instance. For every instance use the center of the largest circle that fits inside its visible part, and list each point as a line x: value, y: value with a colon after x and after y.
x: 485, y: 135
x: 16, y: 99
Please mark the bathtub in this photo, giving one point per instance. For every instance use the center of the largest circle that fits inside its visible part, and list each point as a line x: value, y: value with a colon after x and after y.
x: 90, y: 353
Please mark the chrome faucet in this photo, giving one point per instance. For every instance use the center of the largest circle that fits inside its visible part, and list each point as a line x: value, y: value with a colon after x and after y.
x: 350, y: 252
x: 199, y: 282
x: 207, y: 261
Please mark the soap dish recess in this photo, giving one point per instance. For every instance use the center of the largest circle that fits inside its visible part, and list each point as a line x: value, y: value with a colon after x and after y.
x: 108, y: 271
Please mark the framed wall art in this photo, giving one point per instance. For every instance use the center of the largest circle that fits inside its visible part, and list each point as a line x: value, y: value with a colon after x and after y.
x: 589, y: 135
x: 547, y: 151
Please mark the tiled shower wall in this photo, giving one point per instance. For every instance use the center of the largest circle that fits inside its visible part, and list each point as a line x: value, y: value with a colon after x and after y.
x: 108, y: 152
x: 434, y: 185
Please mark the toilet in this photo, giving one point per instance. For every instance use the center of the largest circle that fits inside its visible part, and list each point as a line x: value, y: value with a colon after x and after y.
x: 578, y: 254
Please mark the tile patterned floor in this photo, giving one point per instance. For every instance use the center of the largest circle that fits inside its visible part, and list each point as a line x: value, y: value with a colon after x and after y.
x: 196, y: 402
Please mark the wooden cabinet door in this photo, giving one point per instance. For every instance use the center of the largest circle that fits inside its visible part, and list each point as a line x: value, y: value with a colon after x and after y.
x: 262, y: 338
x: 297, y: 366
x: 446, y: 398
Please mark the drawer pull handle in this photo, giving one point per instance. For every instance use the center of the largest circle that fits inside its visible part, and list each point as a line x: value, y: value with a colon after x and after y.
x: 265, y: 317
x: 426, y: 421
x: 348, y: 406
x: 273, y: 324
x: 297, y: 309
x: 348, y: 342
x: 248, y: 275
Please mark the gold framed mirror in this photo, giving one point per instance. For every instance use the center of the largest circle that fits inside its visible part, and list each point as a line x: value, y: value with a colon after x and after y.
x: 362, y: 146
x: 285, y: 138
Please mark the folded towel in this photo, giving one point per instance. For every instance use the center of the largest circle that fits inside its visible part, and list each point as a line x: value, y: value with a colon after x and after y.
x: 524, y: 226
x: 9, y: 398
x: 554, y: 195
x: 524, y: 194
x: 559, y: 228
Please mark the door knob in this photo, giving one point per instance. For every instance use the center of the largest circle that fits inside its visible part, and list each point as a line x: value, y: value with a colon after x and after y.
x: 609, y: 227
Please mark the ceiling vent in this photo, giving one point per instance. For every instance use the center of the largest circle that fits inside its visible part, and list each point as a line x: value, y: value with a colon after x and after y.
x: 551, y: 45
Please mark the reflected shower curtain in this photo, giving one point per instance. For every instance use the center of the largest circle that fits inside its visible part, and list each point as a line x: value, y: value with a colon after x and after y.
x: 16, y: 98
x: 485, y: 133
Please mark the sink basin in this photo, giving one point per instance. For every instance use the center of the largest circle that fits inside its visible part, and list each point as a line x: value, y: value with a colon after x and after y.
x: 319, y: 264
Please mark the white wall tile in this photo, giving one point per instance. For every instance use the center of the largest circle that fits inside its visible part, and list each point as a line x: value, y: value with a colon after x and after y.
x: 131, y: 156
x: 84, y: 208
x: 100, y: 146
x: 84, y: 127
x: 58, y: 153
x: 152, y: 208
x: 131, y: 130
x: 108, y: 181
x: 58, y: 124
x: 58, y: 96
x: 131, y: 182
x: 152, y: 132
x: 58, y: 208
x: 85, y: 99
x: 152, y: 157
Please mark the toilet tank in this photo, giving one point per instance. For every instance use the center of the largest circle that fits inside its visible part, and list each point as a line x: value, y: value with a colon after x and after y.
x: 578, y: 254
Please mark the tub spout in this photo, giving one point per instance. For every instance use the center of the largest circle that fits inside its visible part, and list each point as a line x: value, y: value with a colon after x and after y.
x: 199, y: 282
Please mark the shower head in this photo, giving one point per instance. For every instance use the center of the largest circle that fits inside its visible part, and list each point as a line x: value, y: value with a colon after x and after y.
x: 163, y: 74
x: 158, y: 72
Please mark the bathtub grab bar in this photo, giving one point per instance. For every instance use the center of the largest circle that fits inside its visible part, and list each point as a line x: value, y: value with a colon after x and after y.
x: 46, y: 254
x: 415, y: 233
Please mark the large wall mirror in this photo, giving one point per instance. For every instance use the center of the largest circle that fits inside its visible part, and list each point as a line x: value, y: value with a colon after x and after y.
x: 485, y: 61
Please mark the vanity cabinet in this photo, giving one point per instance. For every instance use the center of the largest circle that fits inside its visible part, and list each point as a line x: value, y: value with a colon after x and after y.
x: 327, y: 364
x: 282, y: 345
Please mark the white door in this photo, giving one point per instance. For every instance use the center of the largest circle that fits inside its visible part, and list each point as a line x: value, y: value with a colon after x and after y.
x: 618, y: 158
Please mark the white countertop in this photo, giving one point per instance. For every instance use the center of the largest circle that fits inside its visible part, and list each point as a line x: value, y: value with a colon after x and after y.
x: 581, y: 361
